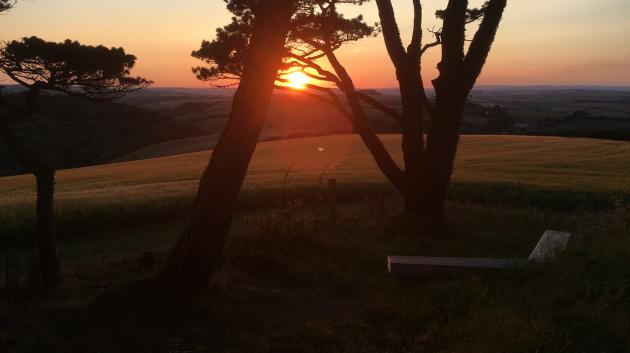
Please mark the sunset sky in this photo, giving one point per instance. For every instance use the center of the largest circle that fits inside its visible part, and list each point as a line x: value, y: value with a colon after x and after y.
x: 540, y: 41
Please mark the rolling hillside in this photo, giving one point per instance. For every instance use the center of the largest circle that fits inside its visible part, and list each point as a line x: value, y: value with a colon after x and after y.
x: 548, y: 162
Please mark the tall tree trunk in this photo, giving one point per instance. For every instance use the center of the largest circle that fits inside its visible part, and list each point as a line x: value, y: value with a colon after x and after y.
x: 412, y: 139
x: 199, y: 249
x: 439, y: 159
x: 47, y: 260
x: 428, y: 173
x: 407, y: 64
x: 458, y: 73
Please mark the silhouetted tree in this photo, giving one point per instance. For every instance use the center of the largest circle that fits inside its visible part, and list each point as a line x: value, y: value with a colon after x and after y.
x: 199, y: 249
x: 6, y: 4
x: 317, y: 35
x: 429, y: 165
x: 229, y: 54
x: 69, y: 68
x: 319, y: 30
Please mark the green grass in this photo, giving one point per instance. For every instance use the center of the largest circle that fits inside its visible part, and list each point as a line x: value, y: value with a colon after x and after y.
x: 558, y: 173
x: 291, y: 282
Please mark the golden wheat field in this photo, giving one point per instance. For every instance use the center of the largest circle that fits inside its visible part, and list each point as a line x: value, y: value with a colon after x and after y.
x: 551, y: 162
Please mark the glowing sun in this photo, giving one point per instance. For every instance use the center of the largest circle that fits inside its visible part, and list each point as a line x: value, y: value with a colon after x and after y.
x: 297, y: 80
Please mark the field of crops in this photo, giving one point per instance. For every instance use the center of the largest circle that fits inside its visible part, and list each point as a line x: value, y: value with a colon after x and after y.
x: 552, y: 172
x: 559, y: 163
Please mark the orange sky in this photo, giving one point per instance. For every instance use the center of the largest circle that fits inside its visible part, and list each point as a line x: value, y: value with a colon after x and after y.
x: 539, y: 42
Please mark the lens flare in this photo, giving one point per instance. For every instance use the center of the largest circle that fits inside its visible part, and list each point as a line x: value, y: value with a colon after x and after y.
x: 297, y: 80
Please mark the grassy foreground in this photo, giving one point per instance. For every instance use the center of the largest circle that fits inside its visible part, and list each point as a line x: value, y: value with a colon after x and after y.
x: 292, y: 282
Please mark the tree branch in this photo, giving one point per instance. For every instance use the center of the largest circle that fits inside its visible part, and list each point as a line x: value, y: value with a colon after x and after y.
x: 453, y: 40
x: 301, y: 68
x: 335, y: 103
x: 391, y: 32
x: 16, y: 79
x: 438, y: 41
x: 453, y: 32
x: 482, y: 41
x: 416, y: 38
x: 313, y: 65
x: 381, y: 155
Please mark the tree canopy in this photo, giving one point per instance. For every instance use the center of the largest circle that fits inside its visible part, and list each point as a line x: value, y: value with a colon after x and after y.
x: 316, y: 27
x: 93, y: 72
x: 472, y: 15
x: 318, y: 30
x: 6, y: 4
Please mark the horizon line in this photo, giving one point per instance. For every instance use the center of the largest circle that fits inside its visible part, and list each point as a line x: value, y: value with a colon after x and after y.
x: 395, y: 87
x: 554, y: 85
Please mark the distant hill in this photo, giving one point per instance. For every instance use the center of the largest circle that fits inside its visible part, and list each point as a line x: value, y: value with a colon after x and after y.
x: 73, y: 133
x: 166, y: 121
x: 549, y: 162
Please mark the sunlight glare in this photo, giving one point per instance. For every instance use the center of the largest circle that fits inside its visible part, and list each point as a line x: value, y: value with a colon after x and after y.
x: 297, y: 80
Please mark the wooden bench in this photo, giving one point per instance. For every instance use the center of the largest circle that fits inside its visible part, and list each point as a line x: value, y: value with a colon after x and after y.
x: 550, y: 244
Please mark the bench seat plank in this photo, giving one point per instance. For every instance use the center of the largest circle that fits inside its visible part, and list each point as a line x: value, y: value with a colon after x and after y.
x: 421, y: 264
x: 550, y: 244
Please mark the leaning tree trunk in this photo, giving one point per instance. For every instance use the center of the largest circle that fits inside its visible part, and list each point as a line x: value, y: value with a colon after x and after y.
x: 47, y: 261
x: 359, y: 120
x: 199, y: 249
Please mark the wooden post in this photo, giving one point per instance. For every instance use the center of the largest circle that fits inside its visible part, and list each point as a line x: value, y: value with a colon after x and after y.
x: 332, y: 200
